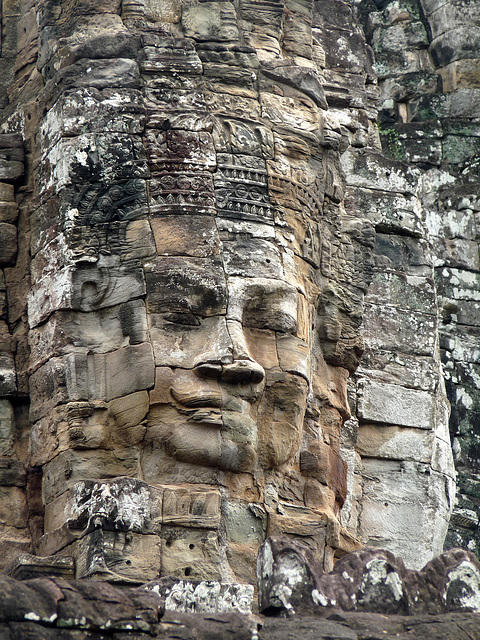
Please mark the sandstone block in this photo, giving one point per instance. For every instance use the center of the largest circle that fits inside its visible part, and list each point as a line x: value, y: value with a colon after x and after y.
x: 8, y: 377
x: 91, y: 377
x: 194, y: 236
x: 255, y: 258
x: 462, y: 103
x: 192, y: 149
x: 7, y: 428
x: 261, y: 345
x: 415, y: 372
x: 13, y: 507
x: 280, y: 438
x: 179, y: 193
x: 8, y: 212
x: 461, y: 74
x: 461, y: 253
x: 245, y: 524
x: 95, y: 158
x: 128, y: 370
x: 460, y: 148
x: 191, y: 553
x: 11, y: 170
x: 7, y: 193
x: 281, y: 560
x: 11, y: 141
x: 390, y: 211
x: 185, y: 340
x: 455, y: 43
x: 12, y: 472
x: 349, y: 54
x: 84, y: 289
x: 71, y: 467
x: 116, y: 555
x: 14, y: 541
x: 186, y: 285
x: 210, y: 21
x: 390, y: 329
x: 395, y: 443
x: 372, y: 171
x: 395, y: 405
x: 415, y: 293
x: 117, y: 110
x: 263, y: 303
x: 97, y: 331
x: 129, y: 411
x: 391, y: 497
x: 183, y: 507
x: 96, y: 74
x: 392, y: 251
x: 122, y: 504
x: 294, y: 356
x: 28, y: 566
x: 459, y: 284
x: 8, y: 243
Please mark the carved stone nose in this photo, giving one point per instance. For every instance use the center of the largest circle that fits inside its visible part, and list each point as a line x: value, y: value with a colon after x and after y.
x: 243, y: 372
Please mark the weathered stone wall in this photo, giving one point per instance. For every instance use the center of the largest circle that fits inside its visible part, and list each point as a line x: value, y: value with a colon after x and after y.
x: 53, y: 608
x: 428, y: 68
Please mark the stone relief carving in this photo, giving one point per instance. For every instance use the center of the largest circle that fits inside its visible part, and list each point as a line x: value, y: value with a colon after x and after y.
x: 197, y: 291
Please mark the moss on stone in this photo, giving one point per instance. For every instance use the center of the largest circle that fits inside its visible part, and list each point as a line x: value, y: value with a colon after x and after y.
x: 391, y: 145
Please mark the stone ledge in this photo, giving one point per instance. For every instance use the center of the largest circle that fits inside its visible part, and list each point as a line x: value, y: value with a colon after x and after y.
x: 94, y: 611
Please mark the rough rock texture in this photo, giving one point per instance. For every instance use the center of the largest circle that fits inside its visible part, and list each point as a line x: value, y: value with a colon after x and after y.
x: 291, y: 580
x: 423, y: 304
x: 53, y: 608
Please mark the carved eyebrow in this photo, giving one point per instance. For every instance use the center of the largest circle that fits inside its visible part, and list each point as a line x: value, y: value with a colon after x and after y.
x: 186, y: 319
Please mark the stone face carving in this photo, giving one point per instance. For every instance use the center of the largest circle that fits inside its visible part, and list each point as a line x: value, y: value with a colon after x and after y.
x: 182, y: 311
x: 196, y: 289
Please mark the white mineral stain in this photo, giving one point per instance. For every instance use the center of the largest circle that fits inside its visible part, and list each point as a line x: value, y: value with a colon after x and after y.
x: 82, y: 157
x: 319, y: 598
x: 377, y: 573
x: 32, y: 616
x: 469, y: 588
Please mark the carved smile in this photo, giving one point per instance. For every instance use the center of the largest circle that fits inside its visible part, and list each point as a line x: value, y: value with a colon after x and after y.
x: 206, y: 416
x: 192, y: 400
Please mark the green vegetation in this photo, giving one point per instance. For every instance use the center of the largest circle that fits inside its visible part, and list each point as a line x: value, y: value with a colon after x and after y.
x: 391, y: 143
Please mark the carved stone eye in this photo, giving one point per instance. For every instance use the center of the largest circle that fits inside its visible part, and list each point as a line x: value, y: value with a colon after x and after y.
x: 184, y: 319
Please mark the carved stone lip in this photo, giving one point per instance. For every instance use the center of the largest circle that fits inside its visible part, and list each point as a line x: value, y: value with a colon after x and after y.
x: 205, y: 399
x: 206, y: 416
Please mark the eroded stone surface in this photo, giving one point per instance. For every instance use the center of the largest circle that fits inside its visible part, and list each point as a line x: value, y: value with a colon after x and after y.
x: 47, y: 608
x: 290, y: 581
